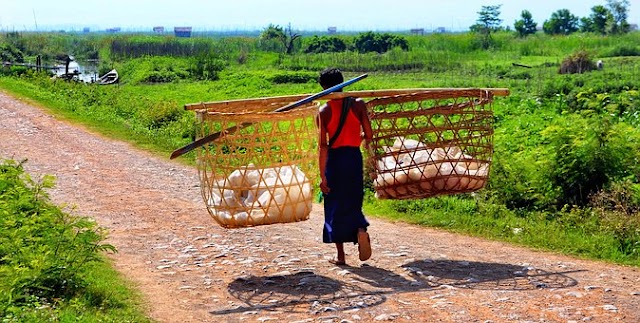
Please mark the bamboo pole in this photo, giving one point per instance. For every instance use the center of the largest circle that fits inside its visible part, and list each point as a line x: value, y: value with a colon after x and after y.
x: 281, y: 100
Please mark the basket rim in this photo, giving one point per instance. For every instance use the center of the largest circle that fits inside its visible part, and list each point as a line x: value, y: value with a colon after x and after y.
x: 279, y: 101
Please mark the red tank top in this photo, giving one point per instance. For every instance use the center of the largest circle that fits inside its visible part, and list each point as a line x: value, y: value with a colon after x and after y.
x: 350, y: 134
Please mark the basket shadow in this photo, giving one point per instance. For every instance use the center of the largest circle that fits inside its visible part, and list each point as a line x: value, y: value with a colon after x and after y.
x: 303, y: 292
x: 307, y: 292
x: 486, y: 275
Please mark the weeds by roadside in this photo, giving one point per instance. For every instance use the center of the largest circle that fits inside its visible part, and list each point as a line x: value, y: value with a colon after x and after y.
x: 52, y: 264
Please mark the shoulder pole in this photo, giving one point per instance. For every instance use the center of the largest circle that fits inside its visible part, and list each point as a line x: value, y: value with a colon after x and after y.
x: 209, y: 138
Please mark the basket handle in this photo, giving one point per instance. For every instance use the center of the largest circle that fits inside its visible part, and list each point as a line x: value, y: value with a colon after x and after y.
x: 207, y: 139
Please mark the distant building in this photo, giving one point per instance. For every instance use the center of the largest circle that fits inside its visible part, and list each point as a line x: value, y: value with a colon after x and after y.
x: 417, y: 31
x: 182, y: 31
x: 86, y: 29
x: 440, y: 30
x: 633, y: 27
x: 158, y: 29
x: 113, y: 30
x: 332, y: 30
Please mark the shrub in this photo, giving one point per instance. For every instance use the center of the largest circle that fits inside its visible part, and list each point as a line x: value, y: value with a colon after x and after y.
x: 380, y: 43
x: 623, y: 50
x: 157, y: 115
x: 294, y: 77
x: 10, y: 53
x: 619, y: 211
x: 43, y: 250
x: 512, y: 185
x: 587, y: 154
x: 325, y: 45
x: 154, y: 70
x: 205, y: 67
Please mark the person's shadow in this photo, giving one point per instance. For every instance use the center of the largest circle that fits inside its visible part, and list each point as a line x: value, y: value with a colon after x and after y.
x: 485, y: 275
x: 367, y: 285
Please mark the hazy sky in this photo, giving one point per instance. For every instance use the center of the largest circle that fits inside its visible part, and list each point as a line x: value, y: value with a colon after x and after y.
x: 18, y: 15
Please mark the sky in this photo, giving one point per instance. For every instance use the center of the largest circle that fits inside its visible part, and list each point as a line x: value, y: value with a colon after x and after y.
x: 202, y: 15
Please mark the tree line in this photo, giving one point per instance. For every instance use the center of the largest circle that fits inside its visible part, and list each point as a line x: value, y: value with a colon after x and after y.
x: 606, y: 19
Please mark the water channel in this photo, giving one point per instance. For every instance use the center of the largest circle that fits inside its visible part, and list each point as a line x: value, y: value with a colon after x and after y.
x: 87, y: 69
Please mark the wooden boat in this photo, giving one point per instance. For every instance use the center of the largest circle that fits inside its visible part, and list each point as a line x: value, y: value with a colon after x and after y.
x: 110, y: 77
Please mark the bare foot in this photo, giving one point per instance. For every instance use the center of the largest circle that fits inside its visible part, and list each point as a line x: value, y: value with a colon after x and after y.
x: 338, y: 262
x: 364, y: 245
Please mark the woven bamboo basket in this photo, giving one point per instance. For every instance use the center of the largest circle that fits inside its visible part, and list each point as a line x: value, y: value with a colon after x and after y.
x: 426, y: 142
x: 263, y: 171
x: 431, y: 142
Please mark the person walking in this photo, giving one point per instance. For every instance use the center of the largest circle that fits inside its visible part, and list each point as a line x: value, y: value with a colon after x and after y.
x: 343, y: 126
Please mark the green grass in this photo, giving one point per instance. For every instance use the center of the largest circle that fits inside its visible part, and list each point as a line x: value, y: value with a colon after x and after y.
x: 472, y: 216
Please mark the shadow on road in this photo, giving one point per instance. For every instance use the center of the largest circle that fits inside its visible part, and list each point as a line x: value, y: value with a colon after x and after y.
x: 486, y: 275
x: 366, y: 286
x: 304, y: 292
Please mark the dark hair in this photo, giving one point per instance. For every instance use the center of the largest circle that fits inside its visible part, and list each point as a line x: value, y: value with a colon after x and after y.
x: 330, y: 77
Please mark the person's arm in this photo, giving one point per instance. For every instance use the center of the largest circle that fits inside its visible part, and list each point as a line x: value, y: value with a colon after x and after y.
x: 365, y: 122
x: 323, y: 147
x: 367, y: 133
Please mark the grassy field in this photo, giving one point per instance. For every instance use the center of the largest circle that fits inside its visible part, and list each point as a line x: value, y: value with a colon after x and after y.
x: 564, y: 175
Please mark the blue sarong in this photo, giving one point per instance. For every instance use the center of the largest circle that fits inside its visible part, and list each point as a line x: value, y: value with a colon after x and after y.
x: 343, y: 205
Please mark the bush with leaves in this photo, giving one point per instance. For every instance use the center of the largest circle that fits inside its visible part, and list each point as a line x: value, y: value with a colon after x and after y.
x: 43, y: 251
x: 325, y: 45
x: 380, y: 43
x: 206, y: 67
x: 623, y: 50
x: 10, y: 53
x: 586, y: 154
x: 155, y: 69
x: 297, y: 77
x: 619, y: 208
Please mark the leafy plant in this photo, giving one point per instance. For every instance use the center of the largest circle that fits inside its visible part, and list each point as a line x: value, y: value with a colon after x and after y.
x: 380, y: 43
x: 206, y: 67
x: 43, y: 251
x: 587, y: 154
x: 619, y: 210
x: 293, y: 77
x: 325, y: 45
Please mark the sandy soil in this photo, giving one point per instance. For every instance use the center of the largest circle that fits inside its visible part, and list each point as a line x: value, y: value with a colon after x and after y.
x: 191, y: 270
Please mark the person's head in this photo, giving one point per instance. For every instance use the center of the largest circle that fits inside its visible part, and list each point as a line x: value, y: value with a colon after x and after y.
x: 330, y: 77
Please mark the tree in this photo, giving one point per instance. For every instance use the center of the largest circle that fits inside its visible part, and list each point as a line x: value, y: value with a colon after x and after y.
x: 561, y: 22
x: 619, y: 9
x: 488, y: 22
x: 597, y: 21
x: 285, y: 37
x: 526, y: 25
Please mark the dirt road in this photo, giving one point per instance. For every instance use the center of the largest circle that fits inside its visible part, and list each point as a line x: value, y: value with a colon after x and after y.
x: 191, y: 270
